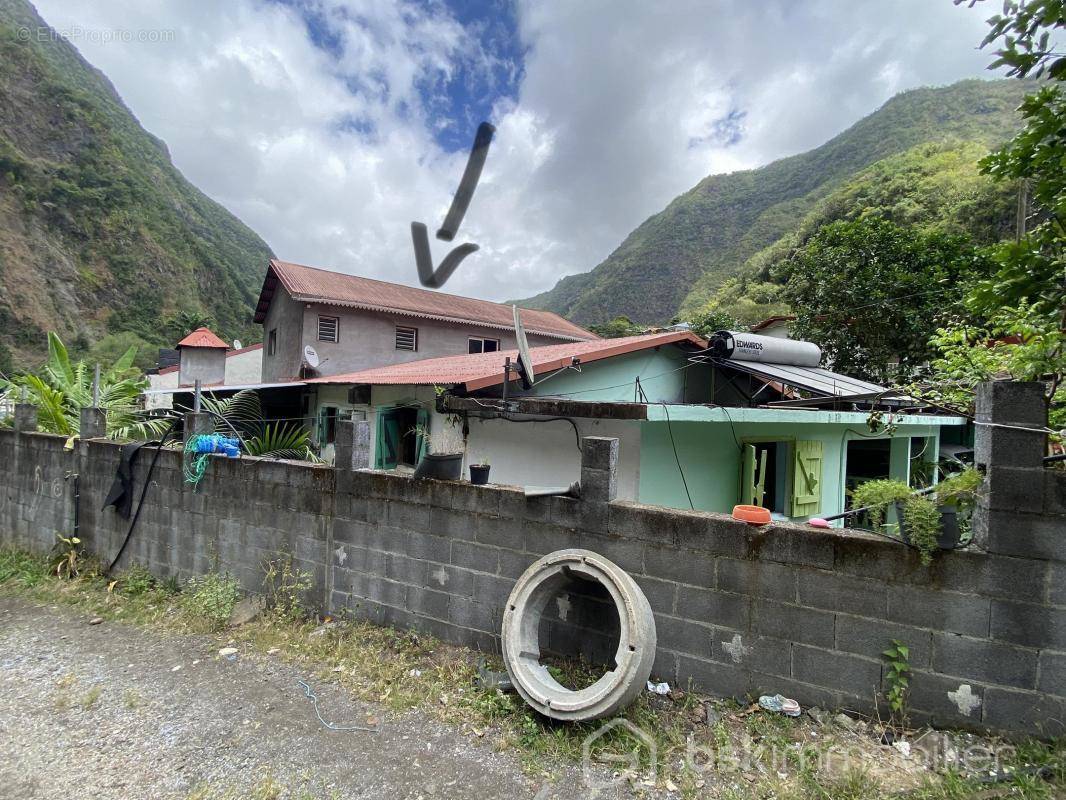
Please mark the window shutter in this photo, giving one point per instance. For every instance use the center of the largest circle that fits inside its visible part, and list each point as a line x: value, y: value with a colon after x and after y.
x: 747, y: 476
x: 406, y: 338
x: 423, y: 441
x: 328, y: 329
x: 807, y: 479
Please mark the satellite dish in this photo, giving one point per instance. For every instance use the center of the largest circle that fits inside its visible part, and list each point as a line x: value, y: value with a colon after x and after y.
x: 310, y: 356
x: 525, y: 363
x: 237, y: 344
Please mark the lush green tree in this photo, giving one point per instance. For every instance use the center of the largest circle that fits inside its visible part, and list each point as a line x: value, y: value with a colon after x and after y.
x: 61, y: 388
x: 617, y: 327
x: 113, y: 346
x: 185, y: 322
x: 870, y: 293
x: 711, y: 321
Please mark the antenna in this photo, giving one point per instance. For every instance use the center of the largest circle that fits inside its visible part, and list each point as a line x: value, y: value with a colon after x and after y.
x: 237, y: 344
x: 311, y: 357
x: 525, y: 362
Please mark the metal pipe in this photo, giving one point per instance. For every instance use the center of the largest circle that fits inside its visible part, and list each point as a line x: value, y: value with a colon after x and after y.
x: 96, y: 386
x: 573, y: 490
x: 196, y: 397
x: 506, y: 375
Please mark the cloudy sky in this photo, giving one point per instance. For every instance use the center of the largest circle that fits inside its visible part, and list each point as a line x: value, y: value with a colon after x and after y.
x: 328, y: 126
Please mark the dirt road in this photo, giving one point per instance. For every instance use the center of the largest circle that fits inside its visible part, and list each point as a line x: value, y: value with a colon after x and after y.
x: 115, y: 711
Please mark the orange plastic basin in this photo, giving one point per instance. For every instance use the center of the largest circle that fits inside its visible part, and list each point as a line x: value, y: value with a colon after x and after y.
x: 756, y: 515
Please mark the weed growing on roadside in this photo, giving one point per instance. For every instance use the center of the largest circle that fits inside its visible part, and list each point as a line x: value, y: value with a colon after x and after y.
x: 897, y: 675
x: 89, y: 699
x: 285, y: 588
x: 210, y: 597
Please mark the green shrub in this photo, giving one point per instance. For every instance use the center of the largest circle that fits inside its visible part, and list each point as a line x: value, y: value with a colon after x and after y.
x: 136, y: 581
x: 211, y: 597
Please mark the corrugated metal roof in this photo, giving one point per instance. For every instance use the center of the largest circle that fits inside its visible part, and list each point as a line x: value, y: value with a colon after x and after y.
x: 813, y: 379
x: 310, y: 284
x: 203, y: 337
x: 479, y: 370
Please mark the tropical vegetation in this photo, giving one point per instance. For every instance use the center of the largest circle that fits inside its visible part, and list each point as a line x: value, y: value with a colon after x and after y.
x: 62, y: 387
x: 241, y: 414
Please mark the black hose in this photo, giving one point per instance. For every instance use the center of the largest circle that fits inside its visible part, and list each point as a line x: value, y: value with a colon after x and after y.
x: 144, y: 492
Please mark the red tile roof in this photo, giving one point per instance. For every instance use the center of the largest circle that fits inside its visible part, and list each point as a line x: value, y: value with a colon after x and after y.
x: 202, y: 337
x: 309, y: 284
x: 230, y: 354
x: 479, y: 370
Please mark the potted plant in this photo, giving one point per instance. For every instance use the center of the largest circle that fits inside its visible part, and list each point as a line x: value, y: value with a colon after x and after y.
x: 443, y: 459
x: 479, y: 473
x: 928, y: 521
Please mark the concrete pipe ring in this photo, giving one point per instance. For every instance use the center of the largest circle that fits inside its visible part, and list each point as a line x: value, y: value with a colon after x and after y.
x: 521, y: 637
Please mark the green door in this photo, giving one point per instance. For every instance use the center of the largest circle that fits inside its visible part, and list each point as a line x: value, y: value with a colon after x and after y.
x: 807, y: 479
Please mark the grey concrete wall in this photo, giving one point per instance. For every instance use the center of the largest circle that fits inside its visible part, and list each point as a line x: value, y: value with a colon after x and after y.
x: 366, y: 338
x: 739, y: 610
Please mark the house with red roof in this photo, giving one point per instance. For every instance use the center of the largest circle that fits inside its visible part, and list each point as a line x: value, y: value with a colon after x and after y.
x: 696, y: 429
x: 319, y: 323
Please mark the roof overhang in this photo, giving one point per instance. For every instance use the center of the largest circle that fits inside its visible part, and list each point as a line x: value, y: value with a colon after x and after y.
x: 224, y: 388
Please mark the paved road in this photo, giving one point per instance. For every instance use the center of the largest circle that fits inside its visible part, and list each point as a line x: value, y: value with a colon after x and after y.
x: 160, y: 732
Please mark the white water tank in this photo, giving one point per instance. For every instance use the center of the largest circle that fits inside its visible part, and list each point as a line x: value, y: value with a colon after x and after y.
x: 765, y: 349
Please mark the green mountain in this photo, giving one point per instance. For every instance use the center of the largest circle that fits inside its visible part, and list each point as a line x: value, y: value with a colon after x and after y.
x: 99, y: 232
x: 678, y: 259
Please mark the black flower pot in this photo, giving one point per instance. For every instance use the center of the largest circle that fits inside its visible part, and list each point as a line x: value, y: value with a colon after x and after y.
x: 479, y: 474
x: 950, y: 535
x: 440, y: 466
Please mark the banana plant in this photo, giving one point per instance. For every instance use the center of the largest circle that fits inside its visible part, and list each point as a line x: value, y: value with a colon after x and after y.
x: 61, y: 388
x: 243, y: 413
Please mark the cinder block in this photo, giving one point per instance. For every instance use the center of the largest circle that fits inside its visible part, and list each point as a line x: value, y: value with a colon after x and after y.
x: 1028, y: 712
x: 661, y: 594
x: 1055, y: 494
x: 428, y: 547
x: 492, y: 590
x: 475, y: 556
x: 684, y: 566
x: 453, y: 580
x: 991, y: 575
x: 598, y: 485
x: 541, y: 539
x: 713, y: 608
x: 852, y: 595
x: 793, y: 623
x: 684, y: 636
x: 1029, y: 624
x: 627, y: 554
x: 452, y: 524
x: 499, y: 531
x: 869, y: 638
x: 1013, y: 488
x: 468, y: 613
x: 599, y: 452
x: 1052, y: 673
x: 757, y: 578
x: 1030, y: 536
x: 713, y: 677
x: 1010, y: 447
x: 387, y: 592
x: 581, y: 514
x: 1012, y: 402
x: 645, y: 523
x: 664, y: 668
x: 948, y: 701
x: 983, y: 660
x: 759, y: 654
x: 428, y: 602
x: 946, y: 611
x: 797, y: 546
x: 408, y: 516
x: 406, y: 570
x: 849, y: 673
x: 1057, y: 584
x: 513, y: 564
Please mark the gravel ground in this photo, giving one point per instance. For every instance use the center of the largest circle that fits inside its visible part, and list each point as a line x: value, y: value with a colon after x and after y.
x: 114, y: 711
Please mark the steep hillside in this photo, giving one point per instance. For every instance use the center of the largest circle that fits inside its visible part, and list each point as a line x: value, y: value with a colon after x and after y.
x: 678, y: 258
x: 99, y: 232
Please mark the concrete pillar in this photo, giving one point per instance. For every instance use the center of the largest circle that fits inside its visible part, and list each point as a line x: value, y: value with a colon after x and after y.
x: 352, y: 445
x: 25, y: 417
x: 1010, y: 455
x: 197, y: 423
x: 599, y: 468
x: 92, y: 423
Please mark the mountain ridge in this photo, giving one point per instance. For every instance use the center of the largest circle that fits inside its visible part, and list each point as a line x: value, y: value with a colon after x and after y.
x: 676, y: 259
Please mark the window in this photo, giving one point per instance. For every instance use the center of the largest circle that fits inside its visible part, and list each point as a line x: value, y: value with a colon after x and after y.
x: 479, y: 344
x: 327, y: 425
x: 328, y: 328
x: 406, y: 338
x: 272, y: 342
x: 783, y: 476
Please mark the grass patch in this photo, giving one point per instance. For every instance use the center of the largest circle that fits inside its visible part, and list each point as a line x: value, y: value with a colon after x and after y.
x: 88, y: 700
x: 764, y: 755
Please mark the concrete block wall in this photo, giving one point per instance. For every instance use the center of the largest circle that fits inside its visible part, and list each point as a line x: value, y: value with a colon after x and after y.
x: 739, y: 609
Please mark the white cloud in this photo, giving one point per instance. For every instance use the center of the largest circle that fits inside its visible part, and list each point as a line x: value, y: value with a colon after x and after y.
x: 329, y: 154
